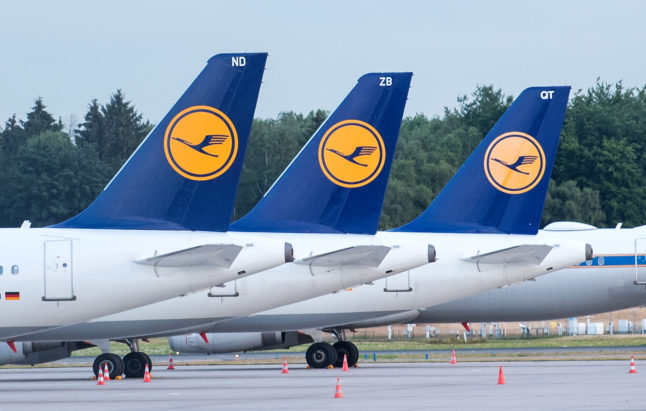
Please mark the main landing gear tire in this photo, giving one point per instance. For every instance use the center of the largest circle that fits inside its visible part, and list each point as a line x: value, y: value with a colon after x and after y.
x: 320, y: 355
x: 148, y: 361
x: 135, y: 364
x: 114, y: 362
x: 346, y: 348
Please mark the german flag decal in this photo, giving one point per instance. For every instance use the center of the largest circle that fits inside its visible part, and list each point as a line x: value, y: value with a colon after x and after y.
x: 12, y: 295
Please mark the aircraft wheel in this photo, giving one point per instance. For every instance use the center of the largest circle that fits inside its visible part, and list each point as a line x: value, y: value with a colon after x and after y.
x: 355, y: 355
x: 345, y: 348
x: 148, y: 360
x: 114, y: 362
x: 135, y: 364
x: 320, y: 355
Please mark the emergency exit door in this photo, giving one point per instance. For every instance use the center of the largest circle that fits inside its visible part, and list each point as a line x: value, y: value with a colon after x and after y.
x: 58, y: 271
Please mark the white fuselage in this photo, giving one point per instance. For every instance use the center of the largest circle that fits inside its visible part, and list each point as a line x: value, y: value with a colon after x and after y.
x: 54, y: 277
x: 449, y: 278
x: 605, y: 284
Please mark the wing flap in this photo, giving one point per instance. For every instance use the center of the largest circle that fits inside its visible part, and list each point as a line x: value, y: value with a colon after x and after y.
x: 521, y: 254
x: 216, y: 255
x: 363, y: 255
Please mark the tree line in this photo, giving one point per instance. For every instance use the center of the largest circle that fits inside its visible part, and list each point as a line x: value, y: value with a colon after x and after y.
x: 49, y: 174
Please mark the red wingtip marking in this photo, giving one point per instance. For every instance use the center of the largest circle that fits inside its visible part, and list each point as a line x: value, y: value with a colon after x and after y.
x: 203, y: 335
x: 466, y: 326
x: 12, y: 345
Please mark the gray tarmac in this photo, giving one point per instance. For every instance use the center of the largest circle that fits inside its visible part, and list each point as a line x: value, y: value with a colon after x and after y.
x: 548, y: 385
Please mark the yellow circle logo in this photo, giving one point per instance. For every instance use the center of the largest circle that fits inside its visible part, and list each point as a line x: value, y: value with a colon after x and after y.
x: 200, y: 143
x: 351, y: 153
x: 514, y: 162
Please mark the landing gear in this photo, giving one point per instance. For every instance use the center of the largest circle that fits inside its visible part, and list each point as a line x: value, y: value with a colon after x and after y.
x: 346, y: 348
x: 320, y: 355
x: 113, y: 361
x: 148, y: 361
x: 135, y: 364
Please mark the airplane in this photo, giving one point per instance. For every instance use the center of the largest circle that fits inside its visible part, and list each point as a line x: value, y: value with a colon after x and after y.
x: 485, y: 222
x: 158, y: 230
x: 614, y: 280
x: 328, y: 210
x: 492, y: 246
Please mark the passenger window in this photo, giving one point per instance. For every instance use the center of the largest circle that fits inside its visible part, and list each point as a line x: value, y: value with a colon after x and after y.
x: 15, y: 270
x: 0, y: 270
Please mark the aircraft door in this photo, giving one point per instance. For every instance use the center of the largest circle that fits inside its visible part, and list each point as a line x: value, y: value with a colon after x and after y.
x: 58, y: 271
x: 398, y: 283
x: 640, y: 261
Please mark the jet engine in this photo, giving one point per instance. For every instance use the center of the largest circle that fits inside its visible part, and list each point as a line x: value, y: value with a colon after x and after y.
x: 31, y: 353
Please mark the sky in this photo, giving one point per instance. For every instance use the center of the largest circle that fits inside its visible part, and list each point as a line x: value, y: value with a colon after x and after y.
x: 70, y: 52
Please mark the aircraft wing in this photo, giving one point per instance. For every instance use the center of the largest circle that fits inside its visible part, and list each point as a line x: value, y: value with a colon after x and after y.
x: 520, y: 254
x: 216, y: 255
x: 364, y: 255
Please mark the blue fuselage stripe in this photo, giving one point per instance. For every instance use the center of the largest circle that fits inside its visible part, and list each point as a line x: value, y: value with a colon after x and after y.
x: 614, y: 260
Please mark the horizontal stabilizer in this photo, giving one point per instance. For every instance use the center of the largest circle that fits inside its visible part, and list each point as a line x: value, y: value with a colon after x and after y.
x: 364, y: 255
x: 216, y: 255
x: 520, y: 254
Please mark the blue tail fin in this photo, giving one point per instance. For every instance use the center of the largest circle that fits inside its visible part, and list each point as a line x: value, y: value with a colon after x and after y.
x: 184, y: 175
x: 338, y: 180
x: 501, y: 187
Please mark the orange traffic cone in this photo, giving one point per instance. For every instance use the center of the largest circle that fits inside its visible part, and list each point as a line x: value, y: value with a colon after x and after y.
x: 100, y: 382
x: 501, y: 377
x: 285, y: 370
x: 106, y: 372
x: 632, y: 365
x: 345, y: 362
x: 170, y: 362
x: 337, y: 392
x: 453, y: 357
x: 146, y: 374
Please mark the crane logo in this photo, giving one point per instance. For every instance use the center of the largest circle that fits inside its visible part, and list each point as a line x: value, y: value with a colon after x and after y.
x: 200, y: 143
x: 514, y: 162
x: 351, y: 153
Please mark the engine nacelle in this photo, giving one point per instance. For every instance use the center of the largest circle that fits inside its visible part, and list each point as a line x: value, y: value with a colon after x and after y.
x: 234, y: 342
x: 31, y: 353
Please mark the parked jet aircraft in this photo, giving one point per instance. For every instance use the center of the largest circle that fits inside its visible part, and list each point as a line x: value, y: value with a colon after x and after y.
x: 483, y: 222
x: 615, y: 279
x: 332, y: 207
x: 158, y: 229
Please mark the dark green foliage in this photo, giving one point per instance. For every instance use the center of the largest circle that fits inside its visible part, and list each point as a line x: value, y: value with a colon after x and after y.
x: 52, y: 180
x: 46, y: 177
x: 603, y: 148
x: 569, y: 202
x: 39, y: 120
x: 114, y: 130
